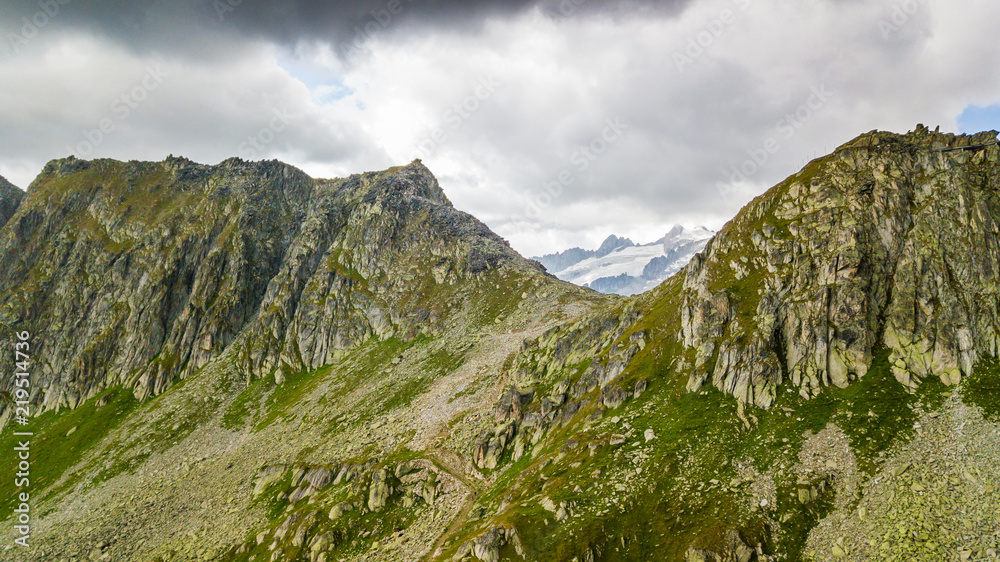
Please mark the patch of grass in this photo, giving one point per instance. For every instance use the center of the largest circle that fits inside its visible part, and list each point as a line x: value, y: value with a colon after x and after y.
x: 473, y: 387
x: 268, y: 500
x: 404, y: 394
x: 437, y: 364
x: 371, y: 358
x: 120, y: 466
x: 289, y: 393
x: 696, y: 437
x: 127, y: 455
x: 246, y: 404
x: 500, y: 295
x: 876, y: 411
x: 982, y: 389
x: 442, y: 361
x: 800, y: 518
x: 54, y: 450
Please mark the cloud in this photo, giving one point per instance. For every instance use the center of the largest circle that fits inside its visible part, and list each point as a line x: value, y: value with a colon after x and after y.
x: 199, y: 28
x: 556, y: 130
x: 84, y: 96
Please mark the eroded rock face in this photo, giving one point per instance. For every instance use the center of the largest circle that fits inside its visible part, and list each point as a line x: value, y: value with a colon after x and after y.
x: 137, y: 274
x: 10, y: 199
x: 867, y: 247
x: 522, y: 419
x: 486, y: 547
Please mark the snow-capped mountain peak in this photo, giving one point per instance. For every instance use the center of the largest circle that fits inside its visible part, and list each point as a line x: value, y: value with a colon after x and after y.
x: 620, y: 266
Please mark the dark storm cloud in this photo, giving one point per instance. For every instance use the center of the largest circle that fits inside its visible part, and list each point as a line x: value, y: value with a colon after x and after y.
x: 292, y: 20
x: 210, y: 27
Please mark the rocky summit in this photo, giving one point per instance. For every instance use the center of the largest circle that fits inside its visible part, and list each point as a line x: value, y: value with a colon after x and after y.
x: 240, y: 362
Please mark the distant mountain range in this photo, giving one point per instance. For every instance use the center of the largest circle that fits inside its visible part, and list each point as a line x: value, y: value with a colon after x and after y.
x: 620, y: 266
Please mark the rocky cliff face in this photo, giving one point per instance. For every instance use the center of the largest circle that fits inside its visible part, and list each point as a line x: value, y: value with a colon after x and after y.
x: 889, y: 242
x: 258, y: 365
x: 10, y: 199
x: 137, y: 274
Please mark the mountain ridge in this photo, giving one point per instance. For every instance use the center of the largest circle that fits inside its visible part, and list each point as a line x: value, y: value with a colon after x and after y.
x: 405, y: 386
x: 282, y: 218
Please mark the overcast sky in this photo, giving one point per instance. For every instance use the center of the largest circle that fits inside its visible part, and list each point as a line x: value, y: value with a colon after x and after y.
x: 557, y: 122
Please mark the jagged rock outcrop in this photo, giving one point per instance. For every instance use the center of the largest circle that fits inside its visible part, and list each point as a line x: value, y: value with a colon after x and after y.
x: 522, y: 418
x: 380, y: 490
x: 10, y: 199
x: 139, y: 273
x: 735, y: 551
x: 890, y: 241
x: 486, y: 547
